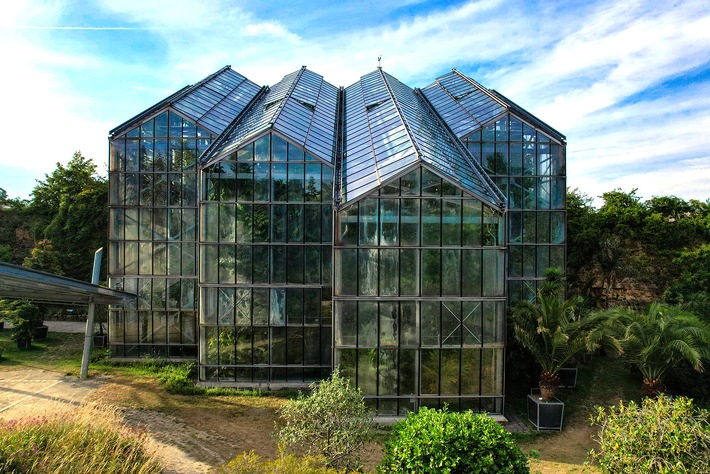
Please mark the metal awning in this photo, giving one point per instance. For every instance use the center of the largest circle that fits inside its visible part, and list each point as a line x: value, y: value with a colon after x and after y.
x: 18, y: 282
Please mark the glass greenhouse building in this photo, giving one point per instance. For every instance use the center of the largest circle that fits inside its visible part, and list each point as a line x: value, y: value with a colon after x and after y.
x: 273, y: 233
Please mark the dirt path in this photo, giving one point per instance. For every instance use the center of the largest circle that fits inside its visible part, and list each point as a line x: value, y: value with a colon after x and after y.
x: 36, y: 392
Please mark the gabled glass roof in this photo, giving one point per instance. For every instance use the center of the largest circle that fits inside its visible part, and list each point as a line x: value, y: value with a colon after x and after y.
x: 389, y: 127
x: 463, y: 103
x: 466, y: 106
x: 302, y: 107
x: 212, y: 103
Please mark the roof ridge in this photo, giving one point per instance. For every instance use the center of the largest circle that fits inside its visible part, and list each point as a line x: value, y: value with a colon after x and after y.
x: 206, y: 155
x: 286, y: 96
x: 481, y: 88
x: 480, y: 173
x: 401, y: 115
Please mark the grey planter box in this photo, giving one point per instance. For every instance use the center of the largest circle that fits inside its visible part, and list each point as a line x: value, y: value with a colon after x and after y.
x: 545, y: 415
x: 568, y: 377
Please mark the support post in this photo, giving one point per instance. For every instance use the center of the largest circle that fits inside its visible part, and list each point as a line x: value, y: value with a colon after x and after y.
x: 90, y: 316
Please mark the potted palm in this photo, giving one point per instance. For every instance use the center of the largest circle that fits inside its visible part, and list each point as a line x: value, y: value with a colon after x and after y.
x: 659, y: 339
x: 555, y: 332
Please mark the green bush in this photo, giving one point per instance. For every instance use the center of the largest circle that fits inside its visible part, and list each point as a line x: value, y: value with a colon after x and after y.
x: 439, y: 441
x: 179, y: 379
x: 90, y: 440
x: 331, y: 422
x: 250, y: 463
x: 662, y: 435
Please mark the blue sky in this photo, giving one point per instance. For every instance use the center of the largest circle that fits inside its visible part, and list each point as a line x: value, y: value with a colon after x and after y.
x: 628, y: 82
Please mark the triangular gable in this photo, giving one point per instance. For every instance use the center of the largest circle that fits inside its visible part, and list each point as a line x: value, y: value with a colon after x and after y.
x: 302, y: 107
x: 212, y: 103
x: 389, y: 127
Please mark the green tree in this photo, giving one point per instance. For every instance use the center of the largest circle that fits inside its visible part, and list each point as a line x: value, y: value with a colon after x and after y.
x: 44, y: 258
x: 659, y: 339
x: 332, y: 422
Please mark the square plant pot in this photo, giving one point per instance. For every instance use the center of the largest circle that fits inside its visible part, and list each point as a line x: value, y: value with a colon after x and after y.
x: 40, y: 332
x: 568, y: 377
x: 100, y: 341
x: 545, y: 415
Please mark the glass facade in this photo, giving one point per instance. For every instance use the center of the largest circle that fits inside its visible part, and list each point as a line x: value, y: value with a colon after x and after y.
x: 265, y: 273
x: 419, y: 296
x: 274, y: 233
x: 153, y: 236
x: 529, y: 167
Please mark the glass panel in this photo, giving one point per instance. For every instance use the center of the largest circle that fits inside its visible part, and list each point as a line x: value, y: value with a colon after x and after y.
x: 408, y: 372
x: 278, y: 223
x: 431, y: 183
x: 471, y: 272
x: 431, y: 272
x: 369, y: 269
x: 348, y: 231
x: 450, y: 323
x: 279, y: 176
x: 430, y: 371
x: 295, y: 223
x: 312, y: 265
x: 225, y: 315
x: 368, y: 221
x: 243, y: 306
x: 295, y: 264
x: 367, y: 372
x: 493, y: 276
x: 389, y: 324
x: 260, y: 225
x: 472, y: 223
x: 493, y: 322
x: 450, y: 371
x: 409, y: 272
x: 346, y: 276
x: 367, y: 324
x: 431, y: 222
x: 389, y: 272
x: 294, y: 153
x: 261, y: 264
x: 245, y: 191
x: 451, y: 272
x: 470, y: 365
x: 471, y: 323
x: 278, y: 152
x: 430, y: 323
x: 389, y: 218
x: 557, y: 227
x: 261, y: 149
x: 409, y: 324
x: 243, y: 258
x: 311, y: 305
x: 246, y: 153
x: 409, y: 222
x: 262, y: 181
x: 312, y: 223
x: 451, y: 219
x: 313, y: 183
x: 261, y: 305
x: 295, y: 183
x: 278, y: 264
x: 410, y: 183
x: 244, y: 222
x: 387, y: 368
x: 278, y: 306
x: 294, y: 306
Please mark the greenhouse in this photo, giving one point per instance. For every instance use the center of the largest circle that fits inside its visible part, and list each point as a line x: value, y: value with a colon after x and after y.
x: 273, y: 233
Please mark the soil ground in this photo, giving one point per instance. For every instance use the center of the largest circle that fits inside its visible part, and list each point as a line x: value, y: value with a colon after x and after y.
x: 197, y: 433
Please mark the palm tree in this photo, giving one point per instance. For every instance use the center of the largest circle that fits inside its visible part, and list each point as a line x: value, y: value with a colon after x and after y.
x: 657, y: 340
x: 554, y: 330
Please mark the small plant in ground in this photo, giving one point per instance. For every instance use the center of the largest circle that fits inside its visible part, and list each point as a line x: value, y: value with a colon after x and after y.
x: 438, y: 441
x: 332, y: 422
x: 662, y: 435
x: 250, y: 463
x: 90, y: 440
x: 179, y: 379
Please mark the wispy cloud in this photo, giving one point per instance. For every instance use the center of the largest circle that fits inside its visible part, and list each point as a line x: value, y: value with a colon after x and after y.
x: 591, y: 70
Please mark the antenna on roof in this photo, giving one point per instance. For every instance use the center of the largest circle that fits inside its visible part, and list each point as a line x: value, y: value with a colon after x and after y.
x: 379, y: 61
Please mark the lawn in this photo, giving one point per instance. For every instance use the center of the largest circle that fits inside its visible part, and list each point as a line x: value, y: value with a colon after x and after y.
x: 215, y: 426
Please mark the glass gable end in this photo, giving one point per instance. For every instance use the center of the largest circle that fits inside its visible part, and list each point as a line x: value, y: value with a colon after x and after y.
x: 419, y: 296
x: 529, y: 167
x: 153, y: 236
x: 265, y: 277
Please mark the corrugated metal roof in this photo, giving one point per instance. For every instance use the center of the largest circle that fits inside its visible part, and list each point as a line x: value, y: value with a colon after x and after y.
x: 212, y: 103
x: 389, y: 128
x: 302, y: 107
x: 23, y: 283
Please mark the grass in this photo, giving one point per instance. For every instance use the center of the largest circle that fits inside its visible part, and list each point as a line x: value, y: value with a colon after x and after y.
x: 91, y: 439
x: 144, y: 384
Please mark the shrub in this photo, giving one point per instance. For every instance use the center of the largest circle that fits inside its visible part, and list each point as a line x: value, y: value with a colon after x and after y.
x: 90, y: 440
x: 662, y: 435
x: 439, y: 441
x: 179, y: 379
x: 332, y: 422
x: 250, y: 463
